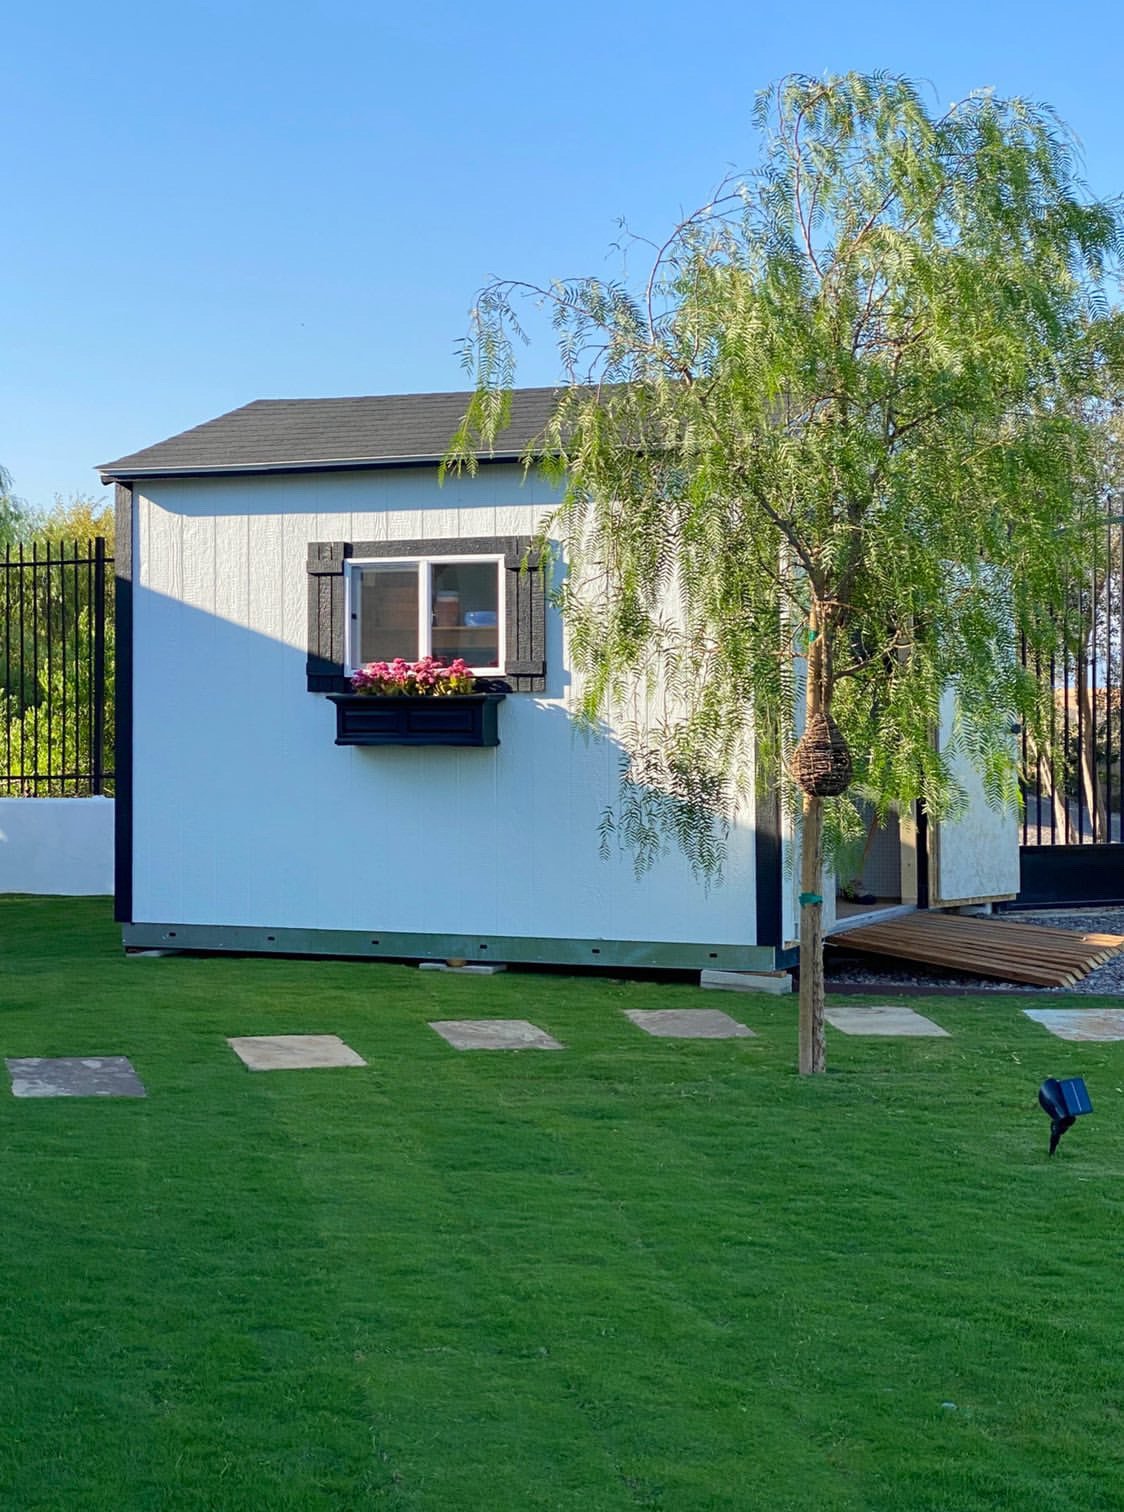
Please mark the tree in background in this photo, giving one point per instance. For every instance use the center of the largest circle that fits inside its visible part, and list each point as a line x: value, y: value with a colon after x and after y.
x: 14, y: 518
x: 56, y: 651
x: 816, y: 469
x: 1081, y: 756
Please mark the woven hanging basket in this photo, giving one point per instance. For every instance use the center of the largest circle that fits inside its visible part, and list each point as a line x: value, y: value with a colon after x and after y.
x: 821, y: 762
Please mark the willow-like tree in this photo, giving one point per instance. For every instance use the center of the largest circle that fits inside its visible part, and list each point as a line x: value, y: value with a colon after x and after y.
x: 817, y: 468
x: 14, y: 520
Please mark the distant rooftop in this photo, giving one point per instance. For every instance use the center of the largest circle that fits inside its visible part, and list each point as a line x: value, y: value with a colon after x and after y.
x: 302, y: 435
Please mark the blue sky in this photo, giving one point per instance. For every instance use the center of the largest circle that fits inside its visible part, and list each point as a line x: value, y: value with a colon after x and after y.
x: 210, y: 203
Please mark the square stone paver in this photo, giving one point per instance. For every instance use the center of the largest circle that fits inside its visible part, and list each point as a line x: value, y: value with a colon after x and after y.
x: 294, y: 1052
x: 688, y: 1023
x: 495, y: 1034
x: 1095, y: 1024
x: 886, y: 1019
x: 75, y: 1076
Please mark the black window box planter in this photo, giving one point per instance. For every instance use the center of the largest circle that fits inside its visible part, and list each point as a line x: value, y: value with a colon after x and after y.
x: 456, y: 719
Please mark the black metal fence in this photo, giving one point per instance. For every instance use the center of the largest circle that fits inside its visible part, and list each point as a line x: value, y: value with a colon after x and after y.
x: 56, y: 665
x: 1072, y: 820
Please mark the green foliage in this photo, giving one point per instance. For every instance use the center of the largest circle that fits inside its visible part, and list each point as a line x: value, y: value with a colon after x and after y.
x: 47, y: 655
x: 15, y: 521
x: 847, y: 395
x: 78, y: 518
x: 47, y: 720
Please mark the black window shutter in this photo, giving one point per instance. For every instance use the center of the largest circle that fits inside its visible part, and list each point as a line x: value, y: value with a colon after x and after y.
x: 524, y: 605
x: 326, y: 629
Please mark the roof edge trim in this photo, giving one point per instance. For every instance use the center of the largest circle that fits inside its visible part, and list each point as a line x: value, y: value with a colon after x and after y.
x: 111, y: 474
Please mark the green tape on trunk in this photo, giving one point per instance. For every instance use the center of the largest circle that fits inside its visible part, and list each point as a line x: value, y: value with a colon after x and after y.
x: 807, y: 898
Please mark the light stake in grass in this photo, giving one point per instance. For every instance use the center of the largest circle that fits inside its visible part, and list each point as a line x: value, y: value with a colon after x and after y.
x: 1064, y: 1102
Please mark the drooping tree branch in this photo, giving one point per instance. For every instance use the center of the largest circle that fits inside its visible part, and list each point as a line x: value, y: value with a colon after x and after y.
x: 837, y: 412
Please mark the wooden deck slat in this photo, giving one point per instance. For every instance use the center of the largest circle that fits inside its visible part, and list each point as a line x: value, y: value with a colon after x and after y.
x: 940, y: 947
x: 1007, y: 949
x: 1008, y: 939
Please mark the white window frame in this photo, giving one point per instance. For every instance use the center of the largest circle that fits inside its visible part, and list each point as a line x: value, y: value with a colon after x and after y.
x: 424, y: 565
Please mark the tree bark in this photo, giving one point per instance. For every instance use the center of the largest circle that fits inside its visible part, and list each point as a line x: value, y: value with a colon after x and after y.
x: 1087, y: 775
x: 812, y: 1055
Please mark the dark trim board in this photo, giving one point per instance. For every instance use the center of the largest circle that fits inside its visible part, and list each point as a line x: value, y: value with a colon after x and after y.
x: 395, y: 945
x: 123, y: 705
x: 1070, y: 876
x: 768, y: 864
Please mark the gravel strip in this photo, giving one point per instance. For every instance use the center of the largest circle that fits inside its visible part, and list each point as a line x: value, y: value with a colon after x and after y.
x: 848, y: 971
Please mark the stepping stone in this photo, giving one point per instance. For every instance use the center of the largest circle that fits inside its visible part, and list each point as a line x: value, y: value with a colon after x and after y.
x: 75, y: 1076
x: 1094, y: 1024
x: 688, y: 1023
x: 886, y: 1019
x: 495, y: 1034
x: 294, y: 1052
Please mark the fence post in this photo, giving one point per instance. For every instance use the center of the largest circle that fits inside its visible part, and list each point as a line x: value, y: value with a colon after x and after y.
x: 97, y: 754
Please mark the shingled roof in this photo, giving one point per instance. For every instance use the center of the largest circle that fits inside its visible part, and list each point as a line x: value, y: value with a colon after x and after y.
x: 302, y: 435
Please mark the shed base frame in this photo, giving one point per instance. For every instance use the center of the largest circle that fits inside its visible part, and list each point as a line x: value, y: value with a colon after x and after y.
x: 391, y: 945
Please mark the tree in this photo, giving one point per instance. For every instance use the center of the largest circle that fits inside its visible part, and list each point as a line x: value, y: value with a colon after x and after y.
x: 816, y: 461
x: 14, y: 519
x: 1073, y: 773
x: 56, y: 653
x: 77, y: 518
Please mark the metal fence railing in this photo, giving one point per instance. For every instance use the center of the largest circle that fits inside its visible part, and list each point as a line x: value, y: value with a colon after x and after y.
x: 1073, y: 793
x: 56, y: 665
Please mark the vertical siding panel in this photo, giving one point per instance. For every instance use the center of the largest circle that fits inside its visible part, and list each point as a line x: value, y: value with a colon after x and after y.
x: 162, y: 550
x: 236, y: 669
x: 155, y: 882
x: 368, y: 525
x: 518, y: 519
x: 201, y: 845
x: 160, y: 890
x: 232, y: 587
x: 295, y: 533
x: 271, y: 865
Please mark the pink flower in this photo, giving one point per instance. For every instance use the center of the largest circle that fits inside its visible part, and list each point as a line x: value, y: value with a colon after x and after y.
x: 428, y: 676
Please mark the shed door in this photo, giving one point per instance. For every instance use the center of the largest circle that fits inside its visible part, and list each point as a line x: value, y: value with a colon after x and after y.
x: 975, y: 857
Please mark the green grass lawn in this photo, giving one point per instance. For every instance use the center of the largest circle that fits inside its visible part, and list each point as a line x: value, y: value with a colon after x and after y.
x: 639, y: 1273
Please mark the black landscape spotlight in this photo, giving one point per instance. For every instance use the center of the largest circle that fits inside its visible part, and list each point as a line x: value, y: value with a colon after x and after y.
x: 1063, y: 1102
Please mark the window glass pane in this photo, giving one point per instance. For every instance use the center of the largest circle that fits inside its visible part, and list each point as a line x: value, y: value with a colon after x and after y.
x: 465, y: 612
x: 387, y: 609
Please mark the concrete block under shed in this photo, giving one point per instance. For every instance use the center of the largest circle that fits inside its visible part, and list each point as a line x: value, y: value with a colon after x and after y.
x: 466, y: 968
x: 777, y: 982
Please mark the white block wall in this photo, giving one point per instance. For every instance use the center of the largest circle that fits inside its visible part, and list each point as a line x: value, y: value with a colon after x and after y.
x: 56, y: 845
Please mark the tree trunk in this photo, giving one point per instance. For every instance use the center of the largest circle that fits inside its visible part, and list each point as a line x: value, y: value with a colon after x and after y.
x: 1087, y: 775
x: 1062, y: 830
x: 812, y: 1056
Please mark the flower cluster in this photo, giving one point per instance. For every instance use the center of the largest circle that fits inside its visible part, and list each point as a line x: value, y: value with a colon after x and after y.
x: 428, y: 677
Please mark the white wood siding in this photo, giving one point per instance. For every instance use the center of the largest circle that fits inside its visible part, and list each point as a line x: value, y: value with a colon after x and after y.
x: 247, y: 813
x: 974, y: 858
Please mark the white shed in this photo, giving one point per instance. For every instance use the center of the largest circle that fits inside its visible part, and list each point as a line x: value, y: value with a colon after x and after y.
x: 264, y: 554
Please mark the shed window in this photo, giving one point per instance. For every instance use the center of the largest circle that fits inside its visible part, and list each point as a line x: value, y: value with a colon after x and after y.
x: 482, y: 598
x: 446, y: 607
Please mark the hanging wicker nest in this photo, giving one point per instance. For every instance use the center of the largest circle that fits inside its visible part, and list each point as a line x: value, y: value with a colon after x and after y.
x: 821, y: 762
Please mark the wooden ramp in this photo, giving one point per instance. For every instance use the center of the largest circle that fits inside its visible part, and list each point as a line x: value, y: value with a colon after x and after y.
x: 1001, y: 948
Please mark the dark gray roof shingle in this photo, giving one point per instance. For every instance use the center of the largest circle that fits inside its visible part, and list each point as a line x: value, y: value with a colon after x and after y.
x: 303, y: 434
